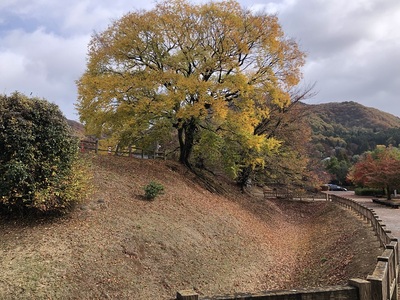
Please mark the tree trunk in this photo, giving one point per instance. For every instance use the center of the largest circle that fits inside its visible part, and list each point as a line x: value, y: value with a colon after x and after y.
x: 186, y: 135
x: 389, y: 192
x: 244, y: 177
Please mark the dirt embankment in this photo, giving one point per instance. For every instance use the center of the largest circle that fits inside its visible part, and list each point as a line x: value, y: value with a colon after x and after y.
x: 117, y: 245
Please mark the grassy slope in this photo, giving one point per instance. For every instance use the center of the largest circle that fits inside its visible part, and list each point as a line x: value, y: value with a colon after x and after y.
x: 117, y: 245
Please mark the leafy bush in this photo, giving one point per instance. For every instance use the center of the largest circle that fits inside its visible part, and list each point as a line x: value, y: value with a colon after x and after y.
x: 38, y: 156
x: 152, y: 190
x: 63, y: 196
x: 369, y: 192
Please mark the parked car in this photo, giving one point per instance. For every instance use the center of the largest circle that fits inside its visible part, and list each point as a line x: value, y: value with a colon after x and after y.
x: 334, y: 187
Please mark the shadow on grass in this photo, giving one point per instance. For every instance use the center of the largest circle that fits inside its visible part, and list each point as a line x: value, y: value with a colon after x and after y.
x: 30, y: 217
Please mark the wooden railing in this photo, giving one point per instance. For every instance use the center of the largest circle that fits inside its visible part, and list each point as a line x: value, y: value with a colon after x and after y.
x: 384, y: 235
x: 282, y: 194
x: 384, y: 280
x: 382, y: 284
x: 93, y: 146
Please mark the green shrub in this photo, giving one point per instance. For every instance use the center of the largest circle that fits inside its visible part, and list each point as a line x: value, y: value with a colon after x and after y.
x: 369, y: 192
x: 63, y: 195
x: 152, y: 190
x: 38, y: 156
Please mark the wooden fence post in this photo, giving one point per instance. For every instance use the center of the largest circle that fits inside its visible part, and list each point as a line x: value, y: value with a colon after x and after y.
x: 389, y: 258
x: 379, y: 281
x: 187, y: 295
x: 82, y: 147
x: 363, y: 286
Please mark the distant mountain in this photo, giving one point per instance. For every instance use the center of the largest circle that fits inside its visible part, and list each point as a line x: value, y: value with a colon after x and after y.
x: 351, y: 128
x: 351, y: 115
x: 77, y: 128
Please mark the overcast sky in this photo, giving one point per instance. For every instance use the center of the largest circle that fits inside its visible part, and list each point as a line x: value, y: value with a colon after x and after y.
x: 352, y: 46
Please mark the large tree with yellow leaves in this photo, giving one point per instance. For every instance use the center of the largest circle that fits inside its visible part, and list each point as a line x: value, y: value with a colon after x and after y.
x: 210, y: 72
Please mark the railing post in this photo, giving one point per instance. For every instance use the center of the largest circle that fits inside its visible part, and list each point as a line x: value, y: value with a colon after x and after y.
x: 363, y: 286
x: 96, y: 147
x: 187, y: 295
x: 389, y: 257
x: 82, y: 146
x: 379, y: 281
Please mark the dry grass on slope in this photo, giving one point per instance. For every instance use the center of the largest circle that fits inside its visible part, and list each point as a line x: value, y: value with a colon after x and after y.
x: 117, y: 245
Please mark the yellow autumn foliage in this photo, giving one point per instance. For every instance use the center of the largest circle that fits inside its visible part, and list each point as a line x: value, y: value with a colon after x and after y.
x: 187, y: 67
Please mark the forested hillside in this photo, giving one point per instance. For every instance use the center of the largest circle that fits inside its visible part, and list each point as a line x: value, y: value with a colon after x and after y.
x: 344, y: 130
x: 353, y: 115
x: 352, y: 127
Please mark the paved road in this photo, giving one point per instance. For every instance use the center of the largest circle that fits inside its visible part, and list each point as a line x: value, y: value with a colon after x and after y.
x: 389, y: 216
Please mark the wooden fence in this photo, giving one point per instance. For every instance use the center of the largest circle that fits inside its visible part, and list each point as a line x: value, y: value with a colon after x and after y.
x: 385, y: 278
x: 282, y: 194
x: 93, y: 146
x: 382, y: 284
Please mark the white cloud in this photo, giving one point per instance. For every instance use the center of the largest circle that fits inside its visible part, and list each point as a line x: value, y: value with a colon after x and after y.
x: 352, y: 49
x: 43, y: 64
x: 271, y: 7
x: 352, y: 46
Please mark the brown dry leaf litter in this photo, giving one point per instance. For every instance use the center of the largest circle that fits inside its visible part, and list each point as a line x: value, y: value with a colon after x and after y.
x: 116, y: 245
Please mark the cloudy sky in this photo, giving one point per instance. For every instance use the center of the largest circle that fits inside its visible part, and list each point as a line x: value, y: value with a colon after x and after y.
x: 353, y: 47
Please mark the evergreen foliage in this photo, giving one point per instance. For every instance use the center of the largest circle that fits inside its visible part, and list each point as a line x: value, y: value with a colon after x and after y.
x: 360, y: 191
x: 37, y: 156
x: 152, y: 190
